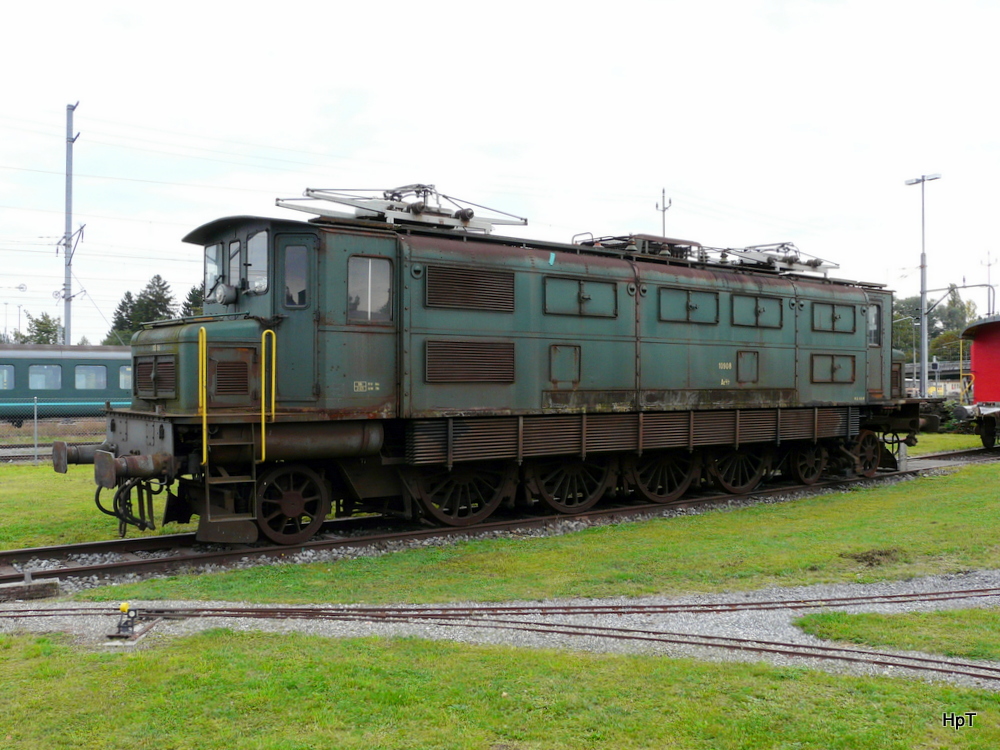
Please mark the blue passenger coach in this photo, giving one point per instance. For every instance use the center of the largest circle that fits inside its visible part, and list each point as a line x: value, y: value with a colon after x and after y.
x: 68, y: 381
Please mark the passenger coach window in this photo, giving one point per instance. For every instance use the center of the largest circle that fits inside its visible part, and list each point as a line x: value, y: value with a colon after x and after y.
x: 369, y: 289
x: 6, y: 377
x: 91, y: 377
x: 295, y: 276
x: 213, y: 266
x: 875, y: 325
x: 44, y: 377
x: 125, y: 377
x: 257, y: 263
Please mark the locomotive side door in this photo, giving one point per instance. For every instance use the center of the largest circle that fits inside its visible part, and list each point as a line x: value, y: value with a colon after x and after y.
x: 879, y: 307
x: 295, y: 299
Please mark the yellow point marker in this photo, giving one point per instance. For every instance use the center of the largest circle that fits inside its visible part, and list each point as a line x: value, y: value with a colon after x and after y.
x: 123, y: 608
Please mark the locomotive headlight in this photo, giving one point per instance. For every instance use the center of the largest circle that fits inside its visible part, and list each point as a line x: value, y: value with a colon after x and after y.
x: 225, y: 294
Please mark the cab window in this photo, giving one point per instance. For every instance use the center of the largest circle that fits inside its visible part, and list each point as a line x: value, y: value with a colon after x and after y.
x: 875, y: 325
x: 369, y: 290
x: 234, y: 264
x: 213, y: 266
x: 257, y: 263
x: 296, y: 258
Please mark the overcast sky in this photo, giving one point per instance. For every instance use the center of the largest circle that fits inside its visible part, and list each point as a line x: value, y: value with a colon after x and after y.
x: 765, y: 121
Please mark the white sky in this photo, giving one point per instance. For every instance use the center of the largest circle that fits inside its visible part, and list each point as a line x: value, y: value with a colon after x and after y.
x: 764, y: 120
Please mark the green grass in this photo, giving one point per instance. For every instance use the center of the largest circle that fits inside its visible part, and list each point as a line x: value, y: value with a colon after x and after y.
x: 939, y: 524
x: 928, y: 442
x: 968, y: 634
x: 236, y: 691
x: 42, y: 508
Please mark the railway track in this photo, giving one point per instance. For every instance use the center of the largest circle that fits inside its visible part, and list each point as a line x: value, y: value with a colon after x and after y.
x: 166, y: 553
x: 538, y: 619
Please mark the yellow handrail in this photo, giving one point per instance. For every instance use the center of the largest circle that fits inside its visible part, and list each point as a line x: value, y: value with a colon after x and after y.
x: 263, y: 382
x: 203, y: 391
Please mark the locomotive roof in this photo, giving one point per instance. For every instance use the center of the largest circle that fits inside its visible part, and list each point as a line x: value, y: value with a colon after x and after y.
x: 647, y: 247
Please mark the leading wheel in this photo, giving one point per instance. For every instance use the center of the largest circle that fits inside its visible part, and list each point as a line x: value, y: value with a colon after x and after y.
x: 807, y: 462
x: 662, y: 476
x: 738, y: 471
x: 868, y: 452
x: 570, y: 485
x: 467, y: 494
x: 292, y: 503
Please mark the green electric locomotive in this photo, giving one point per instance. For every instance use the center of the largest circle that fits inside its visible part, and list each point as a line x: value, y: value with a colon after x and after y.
x: 404, y: 360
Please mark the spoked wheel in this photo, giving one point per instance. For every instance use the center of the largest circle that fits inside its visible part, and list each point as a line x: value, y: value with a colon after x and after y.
x: 292, y: 503
x: 868, y: 451
x: 467, y: 494
x: 662, y: 476
x: 806, y: 463
x: 570, y: 485
x: 738, y: 471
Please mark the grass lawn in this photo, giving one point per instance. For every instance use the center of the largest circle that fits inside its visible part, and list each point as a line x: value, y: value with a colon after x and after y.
x: 230, y: 691
x: 929, y: 442
x: 966, y: 633
x: 251, y: 690
x: 43, y: 508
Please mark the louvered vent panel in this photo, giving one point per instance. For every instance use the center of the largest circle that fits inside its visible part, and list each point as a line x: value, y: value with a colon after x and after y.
x: 144, y: 377
x: 611, y: 432
x: 797, y: 424
x: 470, y: 361
x: 665, y: 430
x: 832, y: 422
x: 715, y: 428
x: 475, y: 439
x: 166, y: 375
x: 758, y: 426
x: 427, y: 442
x: 549, y: 436
x: 470, y: 289
x: 232, y: 379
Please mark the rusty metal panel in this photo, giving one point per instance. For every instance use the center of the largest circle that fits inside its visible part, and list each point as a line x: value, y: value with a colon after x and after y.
x: 470, y: 289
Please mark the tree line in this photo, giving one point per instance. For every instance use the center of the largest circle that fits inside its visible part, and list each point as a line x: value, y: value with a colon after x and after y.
x: 154, y: 302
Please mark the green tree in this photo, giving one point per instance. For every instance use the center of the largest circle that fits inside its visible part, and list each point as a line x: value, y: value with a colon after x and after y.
x: 41, y: 330
x: 122, y: 325
x: 155, y: 302
x: 194, y: 304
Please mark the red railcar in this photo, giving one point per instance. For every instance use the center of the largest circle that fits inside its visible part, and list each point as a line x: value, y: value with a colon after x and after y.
x: 984, y: 351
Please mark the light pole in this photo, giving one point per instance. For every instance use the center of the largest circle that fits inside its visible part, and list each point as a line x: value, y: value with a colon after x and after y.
x: 921, y: 180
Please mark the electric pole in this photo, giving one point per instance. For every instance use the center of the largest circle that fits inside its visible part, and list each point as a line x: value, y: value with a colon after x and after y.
x: 68, y: 236
x: 666, y: 204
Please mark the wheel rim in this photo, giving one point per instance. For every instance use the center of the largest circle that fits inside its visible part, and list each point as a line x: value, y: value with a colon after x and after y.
x: 808, y: 463
x: 738, y: 471
x: 465, y: 495
x: 868, y: 451
x: 663, y: 476
x: 292, y: 503
x: 570, y: 485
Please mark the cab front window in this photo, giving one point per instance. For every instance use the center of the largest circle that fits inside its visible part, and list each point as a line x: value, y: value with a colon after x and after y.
x: 257, y: 263
x: 213, y: 267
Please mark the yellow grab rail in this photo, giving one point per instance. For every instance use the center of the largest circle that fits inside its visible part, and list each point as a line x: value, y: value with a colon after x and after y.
x: 203, y: 391
x: 263, y: 383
